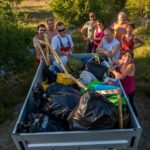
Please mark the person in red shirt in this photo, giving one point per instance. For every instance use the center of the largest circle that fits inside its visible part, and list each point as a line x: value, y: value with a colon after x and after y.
x: 98, y: 34
x: 129, y: 41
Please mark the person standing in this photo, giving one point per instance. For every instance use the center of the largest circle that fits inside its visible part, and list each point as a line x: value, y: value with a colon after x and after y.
x: 129, y: 41
x: 98, y: 34
x: 109, y: 46
x: 120, y: 25
x: 51, y: 29
x: 87, y: 31
x: 41, y: 29
x: 125, y: 72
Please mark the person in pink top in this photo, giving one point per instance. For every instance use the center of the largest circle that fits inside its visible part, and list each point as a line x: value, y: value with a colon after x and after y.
x: 126, y: 74
x: 98, y: 34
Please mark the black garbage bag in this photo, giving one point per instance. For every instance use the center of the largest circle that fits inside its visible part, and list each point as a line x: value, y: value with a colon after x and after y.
x: 96, y: 69
x: 60, y: 100
x: 58, y: 87
x: 50, y: 73
x: 36, y: 122
x: 94, y: 111
x: 38, y: 98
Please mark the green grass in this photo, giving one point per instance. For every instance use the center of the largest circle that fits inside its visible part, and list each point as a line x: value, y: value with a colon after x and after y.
x: 33, y: 12
x: 142, y: 60
x: 79, y: 44
x: 13, y: 90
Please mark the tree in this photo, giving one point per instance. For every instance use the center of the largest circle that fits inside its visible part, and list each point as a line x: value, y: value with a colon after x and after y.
x: 7, y: 17
x: 76, y: 11
x: 14, y: 38
x: 14, y: 1
x: 138, y: 9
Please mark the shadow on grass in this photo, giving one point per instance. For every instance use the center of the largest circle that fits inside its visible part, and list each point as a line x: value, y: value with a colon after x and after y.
x: 36, y: 14
x: 34, y: 17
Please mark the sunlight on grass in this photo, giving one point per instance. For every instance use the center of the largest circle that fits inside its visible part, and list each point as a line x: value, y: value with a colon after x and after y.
x: 142, y: 61
x: 34, y: 5
x: 33, y: 11
x: 143, y: 51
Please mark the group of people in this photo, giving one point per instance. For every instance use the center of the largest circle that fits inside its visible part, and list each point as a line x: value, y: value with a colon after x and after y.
x: 118, y: 48
x: 60, y: 41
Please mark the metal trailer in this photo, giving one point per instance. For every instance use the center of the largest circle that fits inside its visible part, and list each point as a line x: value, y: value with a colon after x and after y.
x: 112, y: 139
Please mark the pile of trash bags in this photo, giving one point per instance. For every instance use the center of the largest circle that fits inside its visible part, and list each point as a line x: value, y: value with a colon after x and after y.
x: 62, y: 107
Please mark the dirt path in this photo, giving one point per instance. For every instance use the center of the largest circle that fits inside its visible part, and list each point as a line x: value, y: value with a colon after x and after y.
x: 143, y: 107
x: 6, y: 142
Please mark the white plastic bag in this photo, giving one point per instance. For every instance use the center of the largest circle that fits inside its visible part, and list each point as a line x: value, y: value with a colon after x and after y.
x: 86, y: 77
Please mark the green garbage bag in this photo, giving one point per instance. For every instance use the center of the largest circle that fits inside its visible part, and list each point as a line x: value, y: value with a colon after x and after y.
x: 91, y: 86
x: 114, y: 100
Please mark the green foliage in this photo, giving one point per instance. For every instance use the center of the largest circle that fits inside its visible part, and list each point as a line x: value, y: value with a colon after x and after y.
x: 7, y: 17
x: 138, y: 9
x: 142, y: 60
x: 76, y: 11
x: 13, y: 89
x: 14, y: 1
x: 79, y: 44
x: 142, y: 31
x: 15, y: 40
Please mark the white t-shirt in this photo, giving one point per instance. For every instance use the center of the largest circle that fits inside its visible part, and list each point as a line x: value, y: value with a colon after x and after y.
x: 109, y: 46
x: 90, y: 29
x: 56, y: 45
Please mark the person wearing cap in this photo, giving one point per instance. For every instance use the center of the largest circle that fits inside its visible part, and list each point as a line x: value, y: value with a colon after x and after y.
x: 87, y: 31
x: 120, y: 25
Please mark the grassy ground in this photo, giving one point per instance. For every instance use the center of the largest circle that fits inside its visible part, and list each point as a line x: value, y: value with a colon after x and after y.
x: 33, y: 11
x: 36, y: 11
x: 142, y: 60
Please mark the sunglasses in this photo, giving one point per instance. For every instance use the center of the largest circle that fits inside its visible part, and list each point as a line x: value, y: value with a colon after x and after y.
x: 61, y: 30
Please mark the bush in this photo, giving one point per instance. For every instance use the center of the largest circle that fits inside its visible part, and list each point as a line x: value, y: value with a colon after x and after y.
x: 77, y: 14
x: 15, y: 41
x: 79, y: 44
x: 138, y: 9
x: 13, y: 90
